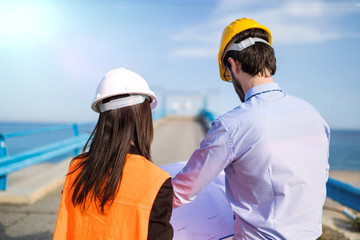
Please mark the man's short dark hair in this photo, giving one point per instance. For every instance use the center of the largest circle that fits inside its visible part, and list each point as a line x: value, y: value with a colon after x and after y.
x: 256, y: 59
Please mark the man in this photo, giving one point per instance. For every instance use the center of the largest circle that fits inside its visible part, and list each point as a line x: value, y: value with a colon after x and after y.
x: 273, y: 146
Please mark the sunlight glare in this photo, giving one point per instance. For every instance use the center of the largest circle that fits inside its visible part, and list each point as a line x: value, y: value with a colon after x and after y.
x: 25, y: 24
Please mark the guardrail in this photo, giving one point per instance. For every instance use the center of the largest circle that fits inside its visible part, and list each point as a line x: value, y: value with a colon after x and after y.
x: 343, y: 193
x: 206, y: 118
x: 339, y: 191
x: 9, y: 164
x: 209, y: 117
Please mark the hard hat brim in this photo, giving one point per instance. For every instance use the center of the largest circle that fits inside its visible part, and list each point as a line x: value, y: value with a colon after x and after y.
x: 153, y: 103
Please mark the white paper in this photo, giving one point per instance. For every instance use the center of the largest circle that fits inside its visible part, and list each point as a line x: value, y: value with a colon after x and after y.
x: 209, y: 216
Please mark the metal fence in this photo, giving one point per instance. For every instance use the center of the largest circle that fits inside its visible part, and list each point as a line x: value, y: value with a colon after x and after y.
x: 17, y: 161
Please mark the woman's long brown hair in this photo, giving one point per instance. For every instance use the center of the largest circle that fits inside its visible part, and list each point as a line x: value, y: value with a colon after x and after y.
x: 117, y: 133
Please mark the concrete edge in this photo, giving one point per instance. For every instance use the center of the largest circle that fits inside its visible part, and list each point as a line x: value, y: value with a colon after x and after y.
x: 45, y: 178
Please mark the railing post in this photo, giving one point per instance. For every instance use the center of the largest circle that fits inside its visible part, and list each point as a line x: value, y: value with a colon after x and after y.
x: 75, y: 128
x: 205, y: 102
x: 3, y: 182
x: 3, y: 153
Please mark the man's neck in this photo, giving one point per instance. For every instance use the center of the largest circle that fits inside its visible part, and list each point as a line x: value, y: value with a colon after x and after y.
x: 248, y: 82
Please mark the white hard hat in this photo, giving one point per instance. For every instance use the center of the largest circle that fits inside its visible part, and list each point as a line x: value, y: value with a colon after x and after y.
x: 122, y: 81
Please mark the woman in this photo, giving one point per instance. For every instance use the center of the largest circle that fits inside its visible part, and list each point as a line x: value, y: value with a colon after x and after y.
x: 114, y: 191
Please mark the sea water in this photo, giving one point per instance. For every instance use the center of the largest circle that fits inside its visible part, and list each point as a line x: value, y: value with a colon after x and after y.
x: 344, y: 145
x: 345, y: 150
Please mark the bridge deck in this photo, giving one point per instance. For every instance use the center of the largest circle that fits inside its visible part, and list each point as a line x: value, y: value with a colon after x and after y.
x: 175, y: 140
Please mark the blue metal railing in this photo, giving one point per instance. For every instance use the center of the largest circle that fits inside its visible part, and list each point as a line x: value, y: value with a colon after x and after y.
x: 208, y: 116
x: 12, y: 163
x: 341, y: 192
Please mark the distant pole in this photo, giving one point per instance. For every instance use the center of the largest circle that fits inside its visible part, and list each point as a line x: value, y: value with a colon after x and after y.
x: 205, y: 101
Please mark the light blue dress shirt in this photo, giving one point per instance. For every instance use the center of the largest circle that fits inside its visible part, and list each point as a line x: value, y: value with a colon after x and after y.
x: 274, y: 150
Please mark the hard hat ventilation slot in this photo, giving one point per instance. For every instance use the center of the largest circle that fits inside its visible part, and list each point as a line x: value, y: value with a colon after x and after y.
x: 121, y: 102
x: 243, y: 44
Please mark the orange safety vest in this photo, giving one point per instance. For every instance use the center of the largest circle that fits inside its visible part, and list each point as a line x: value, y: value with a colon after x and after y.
x: 128, y: 216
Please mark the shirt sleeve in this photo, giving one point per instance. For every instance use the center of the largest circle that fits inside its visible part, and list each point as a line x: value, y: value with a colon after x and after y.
x: 205, y: 164
x: 159, y: 222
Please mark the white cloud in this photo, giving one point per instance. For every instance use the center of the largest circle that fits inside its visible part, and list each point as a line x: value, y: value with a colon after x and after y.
x: 291, y: 22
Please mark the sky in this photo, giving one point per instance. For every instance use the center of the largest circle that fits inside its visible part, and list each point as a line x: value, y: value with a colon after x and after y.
x: 53, y: 54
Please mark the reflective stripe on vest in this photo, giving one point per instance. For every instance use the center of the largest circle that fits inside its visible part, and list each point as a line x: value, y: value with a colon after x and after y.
x: 128, y: 216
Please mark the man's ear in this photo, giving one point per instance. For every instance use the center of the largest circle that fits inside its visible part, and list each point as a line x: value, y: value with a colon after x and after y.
x: 234, y: 65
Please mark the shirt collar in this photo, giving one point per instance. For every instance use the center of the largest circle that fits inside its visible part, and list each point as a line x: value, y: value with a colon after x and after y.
x: 261, y: 88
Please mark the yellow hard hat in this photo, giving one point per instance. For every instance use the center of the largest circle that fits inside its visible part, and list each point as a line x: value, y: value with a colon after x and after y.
x: 230, y: 31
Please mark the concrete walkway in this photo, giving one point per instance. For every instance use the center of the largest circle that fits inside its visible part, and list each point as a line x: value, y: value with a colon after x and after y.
x: 39, y: 188
x: 176, y: 140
